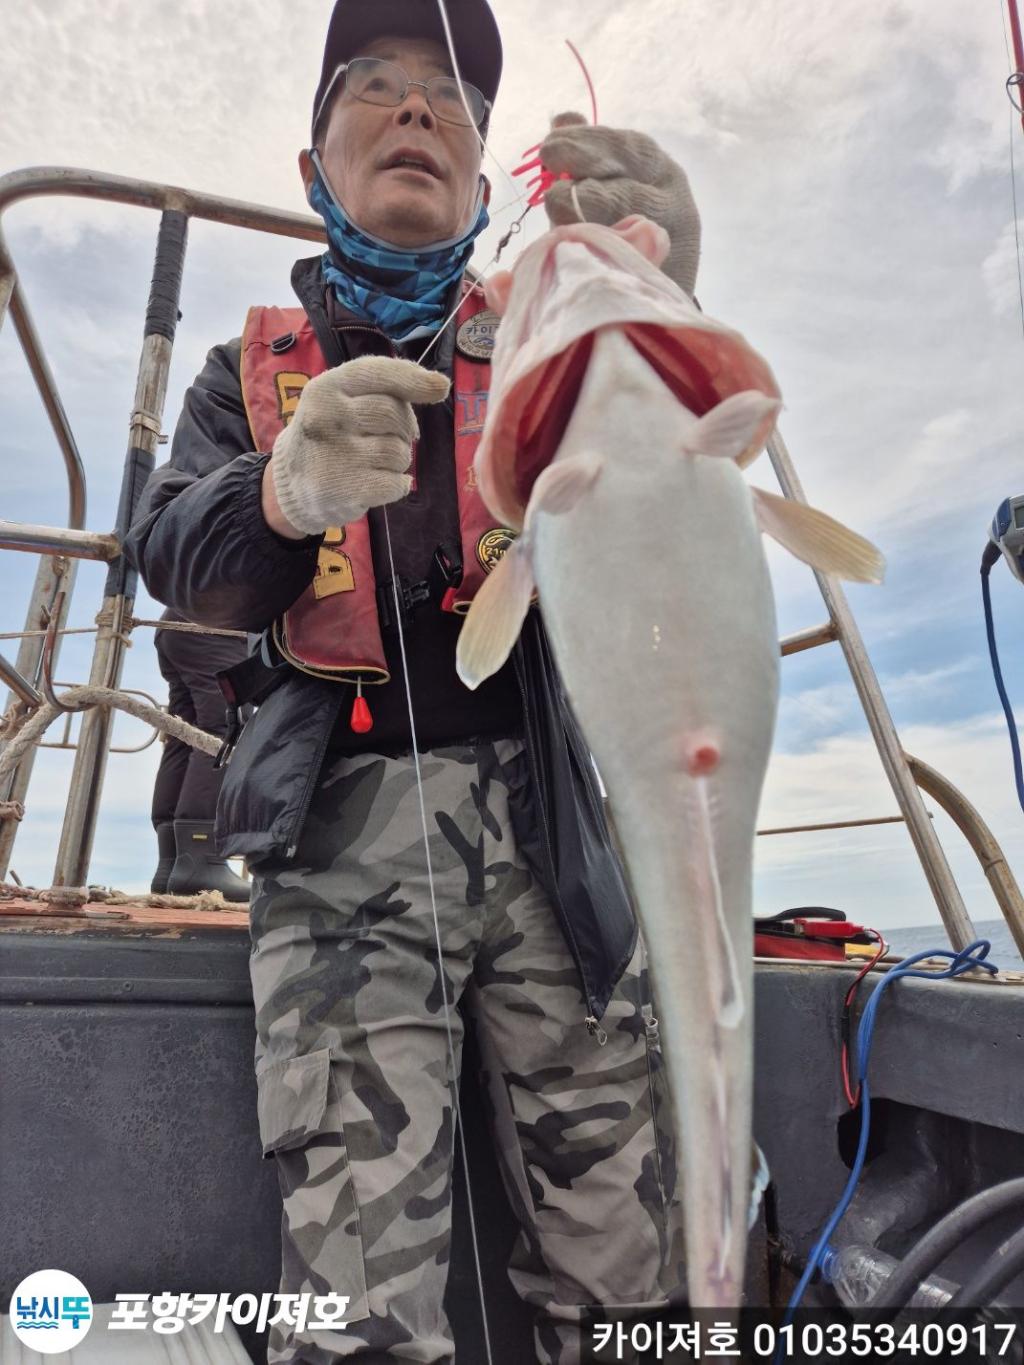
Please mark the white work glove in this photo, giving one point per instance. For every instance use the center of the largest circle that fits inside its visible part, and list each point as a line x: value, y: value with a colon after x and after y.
x: 616, y: 173
x: 350, y: 442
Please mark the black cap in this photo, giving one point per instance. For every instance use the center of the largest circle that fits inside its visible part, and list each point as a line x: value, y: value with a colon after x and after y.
x: 354, y: 23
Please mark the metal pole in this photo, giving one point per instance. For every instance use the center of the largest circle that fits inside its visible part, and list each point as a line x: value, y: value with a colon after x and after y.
x: 55, y: 540
x: 929, y: 850
x: 19, y: 685
x: 43, y: 376
x: 833, y: 824
x: 55, y: 580
x: 981, y: 839
x: 33, y: 181
x: 114, y: 620
x: 804, y: 639
x: 55, y: 577
x: 7, y: 278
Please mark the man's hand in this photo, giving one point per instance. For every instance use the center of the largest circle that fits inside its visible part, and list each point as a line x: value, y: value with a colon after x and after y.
x: 349, y: 444
x: 616, y: 173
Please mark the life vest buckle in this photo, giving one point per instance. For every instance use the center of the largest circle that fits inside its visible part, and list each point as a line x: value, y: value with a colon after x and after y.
x: 232, y: 733
x: 410, y: 597
x: 281, y: 344
x: 445, y: 570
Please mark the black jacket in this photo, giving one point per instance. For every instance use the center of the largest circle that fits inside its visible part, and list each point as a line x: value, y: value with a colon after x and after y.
x: 202, y: 546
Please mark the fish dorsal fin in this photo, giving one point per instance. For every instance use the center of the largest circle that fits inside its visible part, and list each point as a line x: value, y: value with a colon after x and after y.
x: 818, y: 539
x: 733, y: 426
x: 495, y: 617
x: 559, y: 487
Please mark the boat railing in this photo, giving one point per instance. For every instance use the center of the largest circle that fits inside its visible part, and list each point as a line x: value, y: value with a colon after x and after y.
x: 30, y: 677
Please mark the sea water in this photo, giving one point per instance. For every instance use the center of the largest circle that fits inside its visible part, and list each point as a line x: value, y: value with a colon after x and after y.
x: 919, y: 938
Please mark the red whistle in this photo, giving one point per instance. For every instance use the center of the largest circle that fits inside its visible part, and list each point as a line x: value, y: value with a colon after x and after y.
x: 361, y: 721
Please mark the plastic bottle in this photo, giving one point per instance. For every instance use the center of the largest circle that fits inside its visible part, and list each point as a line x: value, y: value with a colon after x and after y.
x: 857, y: 1272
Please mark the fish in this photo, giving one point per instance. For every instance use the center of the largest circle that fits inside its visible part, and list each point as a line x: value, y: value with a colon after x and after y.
x: 620, y: 422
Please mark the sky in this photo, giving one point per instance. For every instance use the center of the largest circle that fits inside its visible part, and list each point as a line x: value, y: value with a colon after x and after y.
x: 852, y: 168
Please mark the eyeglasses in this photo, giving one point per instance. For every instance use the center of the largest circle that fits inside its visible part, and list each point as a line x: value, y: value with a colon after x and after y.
x: 375, y: 81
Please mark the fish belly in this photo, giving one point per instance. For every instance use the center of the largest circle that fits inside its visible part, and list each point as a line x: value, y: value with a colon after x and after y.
x: 655, y: 593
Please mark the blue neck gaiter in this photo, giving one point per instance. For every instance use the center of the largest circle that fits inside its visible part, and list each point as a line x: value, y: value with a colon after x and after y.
x: 401, y: 290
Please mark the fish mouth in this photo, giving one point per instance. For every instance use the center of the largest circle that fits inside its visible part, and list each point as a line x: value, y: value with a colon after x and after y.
x: 544, y: 406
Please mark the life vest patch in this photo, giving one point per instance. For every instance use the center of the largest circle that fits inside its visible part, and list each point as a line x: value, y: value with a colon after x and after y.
x: 470, y: 411
x: 333, y: 574
x: 492, y: 545
x: 476, y: 337
x: 289, y: 391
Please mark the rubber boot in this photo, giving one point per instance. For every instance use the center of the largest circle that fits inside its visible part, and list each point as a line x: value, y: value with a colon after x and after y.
x: 166, y: 851
x: 198, y: 867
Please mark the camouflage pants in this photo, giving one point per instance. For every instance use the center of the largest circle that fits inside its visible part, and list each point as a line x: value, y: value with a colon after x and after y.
x: 355, y: 1077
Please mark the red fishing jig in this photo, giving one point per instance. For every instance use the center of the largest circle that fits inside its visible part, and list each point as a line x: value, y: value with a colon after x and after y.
x: 544, y: 179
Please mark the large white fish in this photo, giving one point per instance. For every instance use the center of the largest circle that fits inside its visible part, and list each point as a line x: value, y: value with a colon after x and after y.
x: 642, y: 540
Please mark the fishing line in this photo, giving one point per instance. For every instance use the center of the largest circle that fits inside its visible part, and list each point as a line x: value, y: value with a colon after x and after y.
x: 481, y: 276
x: 1013, y: 169
x: 442, y: 10
x: 586, y: 76
x: 453, y: 1062
x: 456, y: 1109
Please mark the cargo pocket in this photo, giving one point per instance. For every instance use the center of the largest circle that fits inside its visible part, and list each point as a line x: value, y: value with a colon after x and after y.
x: 658, y: 1093
x: 300, y: 1123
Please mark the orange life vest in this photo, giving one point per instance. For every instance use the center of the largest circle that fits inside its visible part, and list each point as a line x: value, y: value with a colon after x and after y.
x: 333, y: 630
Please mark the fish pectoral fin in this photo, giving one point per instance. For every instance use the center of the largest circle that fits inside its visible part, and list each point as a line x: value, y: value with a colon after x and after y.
x: 645, y: 236
x: 818, y: 539
x: 735, y: 426
x: 497, y: 290
x: 559, y: 487
x: 495, y: 617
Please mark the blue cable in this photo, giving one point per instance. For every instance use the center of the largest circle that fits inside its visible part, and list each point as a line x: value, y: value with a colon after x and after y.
x: 986, y: 598
x: 964, y: 961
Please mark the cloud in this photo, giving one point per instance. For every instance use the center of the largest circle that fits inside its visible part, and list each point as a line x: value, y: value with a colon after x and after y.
x: 1000, y: 272
x: 811, y: 714
x: 873, y: 872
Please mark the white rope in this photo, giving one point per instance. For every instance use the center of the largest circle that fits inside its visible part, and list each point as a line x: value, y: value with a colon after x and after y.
x: 75, y: 896
x: 33, y: 727
x: 186, y: 627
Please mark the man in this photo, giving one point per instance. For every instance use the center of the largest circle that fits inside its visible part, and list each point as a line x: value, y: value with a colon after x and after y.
x: 188, y: 782
x: 487, y: 841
